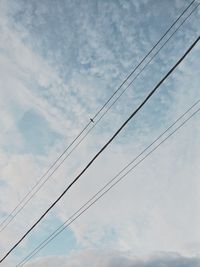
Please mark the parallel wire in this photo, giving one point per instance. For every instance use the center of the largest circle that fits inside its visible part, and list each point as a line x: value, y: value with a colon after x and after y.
x: 82, y: 209
x: 105, y: 146
x: 145, y: 56
x: 36, y: 184
x: 2, y: 226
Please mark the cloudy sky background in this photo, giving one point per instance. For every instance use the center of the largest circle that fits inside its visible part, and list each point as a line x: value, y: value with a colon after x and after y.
x: 60, y: 62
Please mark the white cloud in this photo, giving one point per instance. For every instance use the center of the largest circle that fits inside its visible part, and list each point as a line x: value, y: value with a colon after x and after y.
x: 156, y: 208
x: 115, y: 259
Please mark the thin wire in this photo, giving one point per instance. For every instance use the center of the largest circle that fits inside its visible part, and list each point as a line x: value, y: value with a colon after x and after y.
x: 41, y: 178
x: 61, y: 228
x: 105, y: 146
x: 87, y: 125
x: 10, y: 218
x: 80, y: 141
x: 144, y: 58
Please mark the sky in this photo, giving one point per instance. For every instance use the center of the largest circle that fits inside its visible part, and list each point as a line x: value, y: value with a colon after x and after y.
x: 60, y: 62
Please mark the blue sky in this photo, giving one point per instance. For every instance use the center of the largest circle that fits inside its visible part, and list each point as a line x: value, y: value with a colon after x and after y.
x: 60, y: 62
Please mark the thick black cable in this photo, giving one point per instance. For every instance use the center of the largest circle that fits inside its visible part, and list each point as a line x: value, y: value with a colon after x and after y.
x: 2, y: 226
x: 104, y: 147
x: 80, y: 141
x: 144, y: 57
x: 35, y: 251
x: 61, y: 228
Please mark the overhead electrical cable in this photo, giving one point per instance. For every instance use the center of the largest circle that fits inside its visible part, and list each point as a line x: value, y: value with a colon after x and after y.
x: 104, y: 147
x: 168, y: 30
x: 109, y: 185
x: 25, y: 200
x: 41, y: 178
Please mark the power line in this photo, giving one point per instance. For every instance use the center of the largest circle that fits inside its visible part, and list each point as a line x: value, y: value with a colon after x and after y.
x: 40, y: 179
x: 144, y: 58
x: 10, y: 218
x: 85, y: 206
x: 105, y: 146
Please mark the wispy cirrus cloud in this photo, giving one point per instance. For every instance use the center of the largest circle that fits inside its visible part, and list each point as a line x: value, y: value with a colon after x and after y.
x: 60, y: 62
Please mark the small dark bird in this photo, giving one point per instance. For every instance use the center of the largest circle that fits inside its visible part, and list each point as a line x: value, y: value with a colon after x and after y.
x: 92, y: 120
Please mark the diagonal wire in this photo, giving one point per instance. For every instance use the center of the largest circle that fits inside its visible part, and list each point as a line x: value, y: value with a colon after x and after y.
x: 36, y: 184
x: 104, y: 147
x: 145, y: 57
x: 85, y: 206
x: 10, y: 218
